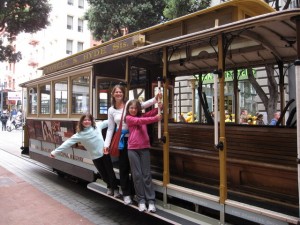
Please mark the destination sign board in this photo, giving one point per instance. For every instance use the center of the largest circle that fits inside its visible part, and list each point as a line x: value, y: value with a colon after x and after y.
x: 95, y: 53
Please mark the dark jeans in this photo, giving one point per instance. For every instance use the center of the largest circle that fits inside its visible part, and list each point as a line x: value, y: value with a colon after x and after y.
x: 126, y: 181
x: 105, y: 167
x: 4, y: 125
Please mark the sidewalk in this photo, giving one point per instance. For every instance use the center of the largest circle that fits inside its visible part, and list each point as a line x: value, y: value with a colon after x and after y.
x: 21, y: 203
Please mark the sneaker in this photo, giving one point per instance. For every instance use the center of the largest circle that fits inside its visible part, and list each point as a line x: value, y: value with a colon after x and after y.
x: 117, y: 194
x: 109, y: 191
x: 142, y: 207
x: 151, y: 208
x: 127, y: 200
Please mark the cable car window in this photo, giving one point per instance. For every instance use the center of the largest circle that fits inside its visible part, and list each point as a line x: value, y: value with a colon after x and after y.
x: 103, y: 102
x: 104, y: 88
x: 45, y: 99
x: 32, y: 108
x: 61, y: 97
x: 80, y: 94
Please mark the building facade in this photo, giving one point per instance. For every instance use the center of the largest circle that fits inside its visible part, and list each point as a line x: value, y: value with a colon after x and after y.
x: 247, y: 97
x: 67, y: 34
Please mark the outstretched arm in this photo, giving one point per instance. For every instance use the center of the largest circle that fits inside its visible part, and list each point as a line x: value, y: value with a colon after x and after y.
x: 151, y: 101
x: 102, y: 125
x: 151, y: 117
x: 67, y: 144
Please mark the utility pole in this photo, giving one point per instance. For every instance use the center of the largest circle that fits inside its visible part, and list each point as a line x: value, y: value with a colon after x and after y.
x: 1, y: 85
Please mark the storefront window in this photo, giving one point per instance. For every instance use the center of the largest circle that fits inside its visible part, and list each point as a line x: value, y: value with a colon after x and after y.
x: 247, y: 97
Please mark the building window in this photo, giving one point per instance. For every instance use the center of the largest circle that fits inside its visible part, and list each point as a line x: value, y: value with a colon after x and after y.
x: 80, y: 25
x: 69, y: 47
x: 70, y: 2
x: 81, y: 4
x: 70, y: 22
x: 79, y: 46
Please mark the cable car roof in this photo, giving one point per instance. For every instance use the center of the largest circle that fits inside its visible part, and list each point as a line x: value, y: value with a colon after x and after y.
x: 252, y: 42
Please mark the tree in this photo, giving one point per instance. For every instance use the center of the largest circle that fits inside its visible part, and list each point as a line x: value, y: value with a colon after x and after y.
x: 276, y: 4
x: 270, y: 103
x: 107, y: 18
x: 134, y: 15
x: 17, y: 16
x: 177, y: 8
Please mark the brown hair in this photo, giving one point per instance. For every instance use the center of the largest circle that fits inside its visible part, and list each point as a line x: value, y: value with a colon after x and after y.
x: 137, y: 104
x: 122, y: 88
x: 80, y: 127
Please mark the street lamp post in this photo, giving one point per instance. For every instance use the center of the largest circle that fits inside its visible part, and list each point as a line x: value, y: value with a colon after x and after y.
x: 1, y: 85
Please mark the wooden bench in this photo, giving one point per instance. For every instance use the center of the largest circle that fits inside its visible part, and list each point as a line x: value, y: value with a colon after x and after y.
x: 261, y: 160
x: 271, y: 145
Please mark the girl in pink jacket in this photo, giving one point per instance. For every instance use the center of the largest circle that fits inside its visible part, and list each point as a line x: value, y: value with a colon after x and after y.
x: 138, y: 152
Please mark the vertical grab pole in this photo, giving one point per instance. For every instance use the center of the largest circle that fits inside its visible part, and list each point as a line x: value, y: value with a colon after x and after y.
x: 297, y: 75
x: 222, y: 146
x: 193, y: 81
x: 166, y: 153
x: 159, y: 111
x: 216, y: 109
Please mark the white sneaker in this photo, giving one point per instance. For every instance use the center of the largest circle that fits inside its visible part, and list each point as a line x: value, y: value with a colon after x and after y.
x: 109, y: 191
x: 151, y: 208
x: 117, y: 194
x: 142, y: 207
x: 127, y: 200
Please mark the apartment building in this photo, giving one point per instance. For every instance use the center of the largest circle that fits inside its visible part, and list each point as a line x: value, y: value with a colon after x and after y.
x: 67, y: 34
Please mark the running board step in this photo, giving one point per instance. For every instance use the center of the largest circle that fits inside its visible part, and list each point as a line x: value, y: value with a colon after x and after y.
x: 161, y: 213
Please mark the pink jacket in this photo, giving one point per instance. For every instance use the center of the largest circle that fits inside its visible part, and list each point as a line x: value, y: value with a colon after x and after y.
x: 138, y: 135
